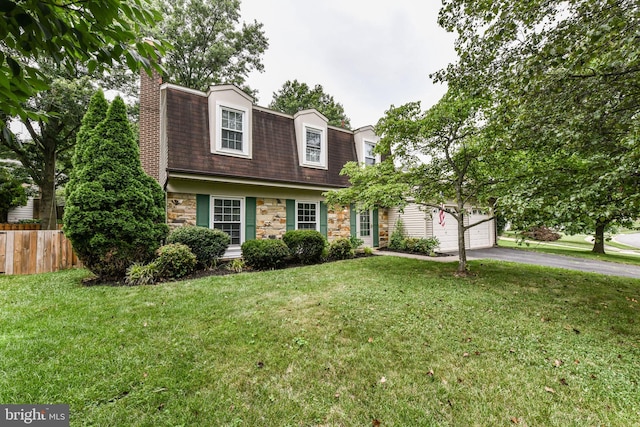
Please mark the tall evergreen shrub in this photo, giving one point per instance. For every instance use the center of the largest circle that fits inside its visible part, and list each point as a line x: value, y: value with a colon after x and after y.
x: 114, y: 213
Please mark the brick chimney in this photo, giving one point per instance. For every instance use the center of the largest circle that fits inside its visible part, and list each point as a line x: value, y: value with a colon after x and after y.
x: 150, y: 123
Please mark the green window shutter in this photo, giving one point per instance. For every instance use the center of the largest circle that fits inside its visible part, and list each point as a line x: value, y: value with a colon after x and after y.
x: 353, y: 220
x: 376, y: 231
x: 324, y: 219
x: 291, y: 214
x: 202, y: 210
x: 250, y: 218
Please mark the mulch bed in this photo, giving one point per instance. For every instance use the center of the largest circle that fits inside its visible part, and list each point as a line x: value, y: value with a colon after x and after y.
x: 220, y: 270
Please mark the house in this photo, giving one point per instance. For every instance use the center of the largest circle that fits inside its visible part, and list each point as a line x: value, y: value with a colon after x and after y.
x: 256, y: 173
x: 252, y: 172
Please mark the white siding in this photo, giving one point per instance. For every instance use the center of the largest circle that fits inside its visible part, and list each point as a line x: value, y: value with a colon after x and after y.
x: 415, y: 223
x: 413, y: 219
x: 21, y: 212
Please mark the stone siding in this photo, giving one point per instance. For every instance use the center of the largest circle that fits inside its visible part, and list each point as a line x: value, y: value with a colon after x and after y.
x: 181, y: 209
x: 383, y: 227
x: 271, y: 218
x: 338, y: 224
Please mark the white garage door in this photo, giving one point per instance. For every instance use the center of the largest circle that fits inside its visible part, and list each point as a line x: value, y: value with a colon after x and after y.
x: 480, y: 236
x: 446, y: 231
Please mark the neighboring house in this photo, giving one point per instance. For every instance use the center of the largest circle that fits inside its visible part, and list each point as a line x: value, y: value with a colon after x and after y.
x: 252, y: 172
x: 425, y: 222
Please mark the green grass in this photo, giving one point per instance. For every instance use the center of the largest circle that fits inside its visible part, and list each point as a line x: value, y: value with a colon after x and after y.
x: 576, y: 246
x: 397, y: 340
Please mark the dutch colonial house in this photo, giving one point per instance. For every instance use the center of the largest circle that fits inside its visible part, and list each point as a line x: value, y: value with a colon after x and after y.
x: 252, y: 172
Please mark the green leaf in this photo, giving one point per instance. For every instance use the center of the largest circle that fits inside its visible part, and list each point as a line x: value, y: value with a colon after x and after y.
x: 14, y: 65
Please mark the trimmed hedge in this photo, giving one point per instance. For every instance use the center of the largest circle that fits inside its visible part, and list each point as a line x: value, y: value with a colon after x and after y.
x: 265, y: 254
x: 175, y: 260
x: 420, y: 246
x: 305, y: 246
x: 341, y: 248
x: 208, y: 245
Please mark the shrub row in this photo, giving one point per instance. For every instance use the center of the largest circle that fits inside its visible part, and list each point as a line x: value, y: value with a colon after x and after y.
x: 188, y: 248
x: 296, y: 246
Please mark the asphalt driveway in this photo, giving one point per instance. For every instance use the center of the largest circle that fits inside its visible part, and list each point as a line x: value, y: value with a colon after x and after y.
x: 629, y: 239
x: 558, y: 261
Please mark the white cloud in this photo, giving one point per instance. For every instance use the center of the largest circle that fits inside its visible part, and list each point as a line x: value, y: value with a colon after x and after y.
x: 367, y: 54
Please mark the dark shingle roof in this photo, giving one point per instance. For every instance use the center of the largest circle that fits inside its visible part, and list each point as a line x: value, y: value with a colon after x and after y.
x: 275, y: 154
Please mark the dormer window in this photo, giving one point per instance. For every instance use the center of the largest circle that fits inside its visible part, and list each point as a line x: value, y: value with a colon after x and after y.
x: 313, y: 146
x: 311, y: 139
x: 230, y: 121
x: 369, y: 155
x: 232, y: 136
x: 366, y: 141
x: 232, y: 128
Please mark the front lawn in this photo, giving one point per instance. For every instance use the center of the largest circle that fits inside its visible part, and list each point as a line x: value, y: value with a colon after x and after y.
x: 387, y: 340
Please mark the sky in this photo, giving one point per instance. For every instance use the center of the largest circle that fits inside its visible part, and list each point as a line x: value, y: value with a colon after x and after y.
x: 367, y: 54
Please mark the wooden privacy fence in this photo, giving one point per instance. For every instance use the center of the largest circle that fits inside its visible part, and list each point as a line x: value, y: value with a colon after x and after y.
x: 13, y: 227
x: 30, y: 252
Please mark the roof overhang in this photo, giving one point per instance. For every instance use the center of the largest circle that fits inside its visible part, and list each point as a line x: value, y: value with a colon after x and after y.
x: 194, y: 176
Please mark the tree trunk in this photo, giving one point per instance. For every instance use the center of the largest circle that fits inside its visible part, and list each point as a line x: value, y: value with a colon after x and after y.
x: 462, y: 250
x: 48, y: 211
x: 598, y: 243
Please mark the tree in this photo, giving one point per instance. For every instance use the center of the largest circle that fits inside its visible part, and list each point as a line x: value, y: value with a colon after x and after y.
x: 12, y: 193
x: 95, y: 113
x: 98, y: 33
x: 46, y: 151
x: 114, y: 214
x: 295, y: 96
x: 433, y: 157
x: 209, y: 48
x: 563, y: 79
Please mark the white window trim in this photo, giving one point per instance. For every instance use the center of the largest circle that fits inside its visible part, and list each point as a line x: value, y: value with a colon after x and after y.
x: 376, y: 157
x: 322, y: 164
x: 246, y: 140
x: 317, y: 204
x: 233, y: 251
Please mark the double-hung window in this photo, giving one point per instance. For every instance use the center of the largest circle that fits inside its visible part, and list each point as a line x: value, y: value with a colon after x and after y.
x: 232, y: 127
x: 307, y: 216
x: 369, y: 155
x: 227, y: 216
x: 313, y: 146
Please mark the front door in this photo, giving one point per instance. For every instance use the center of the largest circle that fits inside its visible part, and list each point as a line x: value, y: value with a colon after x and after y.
x: 365, y: 228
